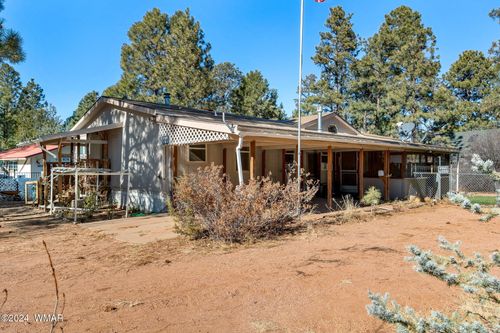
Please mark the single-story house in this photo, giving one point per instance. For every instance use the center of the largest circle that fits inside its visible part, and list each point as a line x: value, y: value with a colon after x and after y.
x: 156, y: 143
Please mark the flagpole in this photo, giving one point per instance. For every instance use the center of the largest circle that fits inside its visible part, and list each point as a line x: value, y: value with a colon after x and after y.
x: 299, y: 104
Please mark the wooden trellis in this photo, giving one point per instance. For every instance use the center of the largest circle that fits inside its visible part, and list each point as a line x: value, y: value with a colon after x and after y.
x: 181, y: 135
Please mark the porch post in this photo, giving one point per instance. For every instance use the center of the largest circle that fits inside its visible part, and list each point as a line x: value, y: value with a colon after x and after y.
x: 174, y: 161
x: 361, y: 169
x: 78, y: 150
x: 386, y: 175
x: 403, y: 164
x: 263, y: 163
x: 105, y: 157
x: 45, y: 179
x: 283, y: 166
x: 59, y: 163
x: 51, y: 192
x: 224, y: 160
x: 329, y: 184
x: 296, y: 156
x: 77, y: 194
x: 252, y: 159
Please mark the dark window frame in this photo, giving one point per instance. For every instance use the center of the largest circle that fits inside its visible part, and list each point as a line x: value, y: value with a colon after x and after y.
x: 198, y: 147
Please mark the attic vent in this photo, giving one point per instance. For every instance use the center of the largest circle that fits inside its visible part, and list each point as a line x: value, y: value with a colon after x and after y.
x: 180, y: 135
x: 333, y: 129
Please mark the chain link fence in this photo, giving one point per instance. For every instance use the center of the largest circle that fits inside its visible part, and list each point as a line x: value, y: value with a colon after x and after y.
x: 429, y: 184
x: 471, y: 182
x: 12, y: 185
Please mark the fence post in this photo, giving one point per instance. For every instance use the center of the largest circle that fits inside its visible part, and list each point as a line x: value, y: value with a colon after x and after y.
x: 51, y: 192
x: 438, y: 181
x: 458, y: 174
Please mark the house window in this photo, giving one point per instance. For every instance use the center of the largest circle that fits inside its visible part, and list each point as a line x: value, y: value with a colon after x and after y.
x: 198, y: 153
x: 8, y: 166
x: 245, y: 159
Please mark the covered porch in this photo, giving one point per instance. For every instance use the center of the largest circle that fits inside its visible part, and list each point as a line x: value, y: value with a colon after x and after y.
x: 342, y: 168
x: 86, y: 164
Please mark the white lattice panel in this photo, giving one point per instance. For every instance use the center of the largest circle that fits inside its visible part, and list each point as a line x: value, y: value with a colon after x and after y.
x: 181, y: 135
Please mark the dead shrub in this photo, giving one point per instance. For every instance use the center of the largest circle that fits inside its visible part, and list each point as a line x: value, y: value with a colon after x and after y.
x: 208, y: 205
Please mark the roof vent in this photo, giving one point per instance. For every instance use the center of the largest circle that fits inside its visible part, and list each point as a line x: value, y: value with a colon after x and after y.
x: 320, y: 118
x: 333, y: 129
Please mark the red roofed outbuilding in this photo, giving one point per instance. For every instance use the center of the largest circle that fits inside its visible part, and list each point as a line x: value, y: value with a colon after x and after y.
x: 23, y: 161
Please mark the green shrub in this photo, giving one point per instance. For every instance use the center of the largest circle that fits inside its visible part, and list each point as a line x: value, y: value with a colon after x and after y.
x: 372, y: 197
x: 90, y: 204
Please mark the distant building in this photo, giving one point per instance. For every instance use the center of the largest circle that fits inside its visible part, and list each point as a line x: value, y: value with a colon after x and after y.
x: 469, y: 141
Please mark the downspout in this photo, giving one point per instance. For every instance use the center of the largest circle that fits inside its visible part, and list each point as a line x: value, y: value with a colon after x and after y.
x: 238, y: 159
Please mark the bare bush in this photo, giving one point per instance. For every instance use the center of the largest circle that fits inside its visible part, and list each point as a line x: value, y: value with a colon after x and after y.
x: 208, y: 205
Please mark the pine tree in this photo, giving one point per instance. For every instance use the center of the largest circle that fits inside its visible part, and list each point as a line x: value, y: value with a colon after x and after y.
x: 188, y: 61
x: 35, y: 117
x: 254, y: 98
x: 226, y: 77
x: 396, y: 77
x: 369, y: 88
x: 144, y: 72
x: 471, y: 79
x: 165, y: 55
x: 335, y: 55
x: 10, y: 88
x: 10, y: 43
x: 310, y: 96
x: 84, y: 105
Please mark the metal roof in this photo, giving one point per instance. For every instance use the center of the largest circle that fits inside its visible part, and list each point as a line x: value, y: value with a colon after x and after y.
x: 23, y: 152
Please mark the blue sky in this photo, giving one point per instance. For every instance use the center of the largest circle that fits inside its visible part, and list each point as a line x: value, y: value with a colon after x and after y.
x: 73, y: 46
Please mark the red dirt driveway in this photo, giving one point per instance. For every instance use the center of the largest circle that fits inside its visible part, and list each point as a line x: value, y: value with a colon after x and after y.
x: 315, y: 281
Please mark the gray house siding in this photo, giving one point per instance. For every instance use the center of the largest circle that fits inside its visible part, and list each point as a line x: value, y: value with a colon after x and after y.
x: 135, y: 147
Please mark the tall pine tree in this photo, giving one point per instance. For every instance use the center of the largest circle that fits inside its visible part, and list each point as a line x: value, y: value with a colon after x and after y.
x: 10, y: 43
x: 311, y: 97
x: 396, y: 77
x: 226, y: 78
x: 165, y: 55
x: 10, y: 88
x: 471, y: 79
x: 254, y: 98
x: 35, y: 117
x: 83, y: 106
x: 335, y: 55
x: 188, y: 61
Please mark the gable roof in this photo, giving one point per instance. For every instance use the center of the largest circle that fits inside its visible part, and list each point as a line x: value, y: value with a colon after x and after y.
x: 235, y: 124
x: 23, y: 152
x: 313, y: 119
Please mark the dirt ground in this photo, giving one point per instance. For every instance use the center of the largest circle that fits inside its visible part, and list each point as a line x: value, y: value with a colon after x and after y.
x: 314, y: 281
